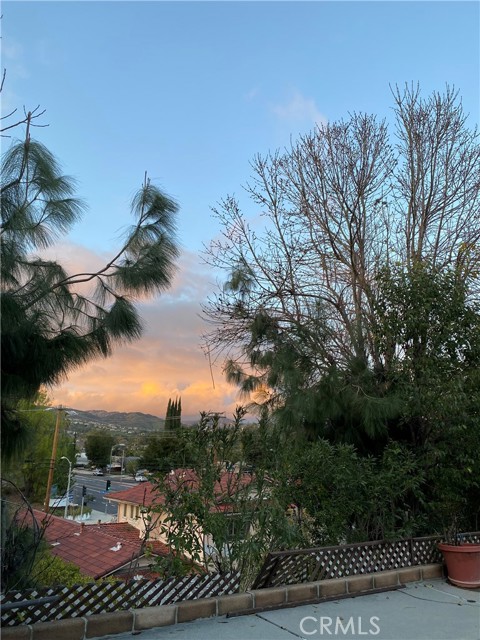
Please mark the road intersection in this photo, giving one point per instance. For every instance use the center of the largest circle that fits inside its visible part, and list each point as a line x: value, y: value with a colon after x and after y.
x: 96, y: 487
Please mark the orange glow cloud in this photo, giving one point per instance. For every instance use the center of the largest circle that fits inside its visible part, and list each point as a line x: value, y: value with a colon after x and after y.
x: 167, y: 362
x: 150, y: 389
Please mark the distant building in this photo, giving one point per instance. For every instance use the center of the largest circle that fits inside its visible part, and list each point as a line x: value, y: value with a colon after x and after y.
x: 81, y: 460
x: 146, y: 499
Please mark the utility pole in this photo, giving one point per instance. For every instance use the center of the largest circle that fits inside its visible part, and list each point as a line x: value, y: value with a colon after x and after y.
x: 46, y: 506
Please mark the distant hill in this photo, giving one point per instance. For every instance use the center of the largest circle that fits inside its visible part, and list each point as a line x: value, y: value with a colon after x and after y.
x: 124, y: 422
x: 115, y: 420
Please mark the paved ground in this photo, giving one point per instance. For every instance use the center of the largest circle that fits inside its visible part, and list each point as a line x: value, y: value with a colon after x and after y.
x: 95, y: 516
x: 430, y: 610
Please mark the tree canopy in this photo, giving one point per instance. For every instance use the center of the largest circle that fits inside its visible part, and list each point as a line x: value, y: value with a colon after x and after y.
x: 53, y: 321
x: 173, y: 416
x: 98, y: 447
x: 356, y: 304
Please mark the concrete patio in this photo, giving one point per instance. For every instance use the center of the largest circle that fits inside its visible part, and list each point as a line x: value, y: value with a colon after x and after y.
x: 409, y: 603
x: 425, y: 610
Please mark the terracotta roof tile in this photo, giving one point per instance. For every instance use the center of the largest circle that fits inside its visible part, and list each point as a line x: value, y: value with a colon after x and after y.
x: 146, y: 494
x: 141, y: 494
x: 97, y: 550
x: 125, y: 531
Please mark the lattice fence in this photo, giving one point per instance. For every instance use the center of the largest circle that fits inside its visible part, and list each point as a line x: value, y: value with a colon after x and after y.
x: 309, y: 565
x: 71, y: 602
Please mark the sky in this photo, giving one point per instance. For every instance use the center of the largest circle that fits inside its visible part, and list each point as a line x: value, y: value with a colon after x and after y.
x: 189, y: 92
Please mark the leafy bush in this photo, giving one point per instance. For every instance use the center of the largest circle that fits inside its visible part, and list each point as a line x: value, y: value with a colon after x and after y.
x: 219, y: 514
x: 340, y: 496
x: 49, y: 570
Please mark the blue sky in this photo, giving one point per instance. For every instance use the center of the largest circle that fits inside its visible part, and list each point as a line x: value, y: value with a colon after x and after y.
x: 189, y: 92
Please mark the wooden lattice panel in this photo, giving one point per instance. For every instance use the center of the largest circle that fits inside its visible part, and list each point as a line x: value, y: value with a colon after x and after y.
x: 109, y: 597
x: 306, y: 565
x: 425, y: 551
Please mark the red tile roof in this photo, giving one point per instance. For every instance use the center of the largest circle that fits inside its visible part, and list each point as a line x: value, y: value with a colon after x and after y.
x: 148, y: 494
x: 144, y: 494
x: 97, y: 550
x: 125, y: 531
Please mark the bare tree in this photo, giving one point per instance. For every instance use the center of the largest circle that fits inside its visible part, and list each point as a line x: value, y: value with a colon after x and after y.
x: 12, y: 119
x: 341, y: 203
x: 437, y: 183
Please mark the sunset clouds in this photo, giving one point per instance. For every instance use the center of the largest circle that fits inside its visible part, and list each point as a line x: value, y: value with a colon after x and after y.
x: 224, y: 82
x: 165, y: 363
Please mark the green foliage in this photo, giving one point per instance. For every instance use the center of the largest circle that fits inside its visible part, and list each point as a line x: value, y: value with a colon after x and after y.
x: 51, y: 571
x: 132, y: 467
x: 165, y: 452
x: 427, y: 329
x: 453, y: 480
x: 340, y: 496
x: 174, y: 414
x: 29, y: 468
x: 51, y: 324
x: 303, y: 493
x: 354, y: 317
x: 263, y: 444
x: 354, y: 311
x: 346, y: 405
x: 21, y: 538
x: 215, y: 514
x: 98, y: 447
x: 393, y: 500
x: 174, y: 565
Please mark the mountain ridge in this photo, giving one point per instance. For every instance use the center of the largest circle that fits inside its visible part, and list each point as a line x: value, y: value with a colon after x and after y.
x: 129, y: 420
x: 123, y: 419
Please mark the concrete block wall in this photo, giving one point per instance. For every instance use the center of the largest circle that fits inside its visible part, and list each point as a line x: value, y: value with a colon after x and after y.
x: 250, y: 602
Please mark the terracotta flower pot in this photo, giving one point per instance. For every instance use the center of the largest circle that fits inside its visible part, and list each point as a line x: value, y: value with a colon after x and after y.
x: 463, y: 564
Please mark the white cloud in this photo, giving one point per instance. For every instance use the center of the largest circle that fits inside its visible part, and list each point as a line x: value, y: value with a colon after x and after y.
x: 299, y: 110
x: 12, y: 50
x: 166, y: 362
x: 14, y: 68
x: 13, y: 56
x: 253, y: 93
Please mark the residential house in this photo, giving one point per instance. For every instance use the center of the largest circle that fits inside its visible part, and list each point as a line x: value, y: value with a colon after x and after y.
x: 141, y: 505
x: 133, y: 506
x: 103, y: 549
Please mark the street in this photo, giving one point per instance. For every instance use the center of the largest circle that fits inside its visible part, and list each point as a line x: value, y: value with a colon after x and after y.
x: 96, y: 487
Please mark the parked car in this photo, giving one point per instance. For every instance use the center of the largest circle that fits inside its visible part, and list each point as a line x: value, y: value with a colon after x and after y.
x: 98, y: 472
x: 140, y: 478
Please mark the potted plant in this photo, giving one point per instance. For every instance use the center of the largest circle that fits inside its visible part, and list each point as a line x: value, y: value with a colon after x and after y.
x: 454, y: 502
x: 462, y: 558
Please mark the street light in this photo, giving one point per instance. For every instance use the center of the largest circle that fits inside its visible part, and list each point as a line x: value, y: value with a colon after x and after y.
x: 123, y: 459
x: 67, y: 502
x: 111, y: 454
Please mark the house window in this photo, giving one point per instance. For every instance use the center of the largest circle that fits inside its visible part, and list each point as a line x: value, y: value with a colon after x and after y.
x: 131, y: 510
x: 124, y: 509
x: 238, y: 526
x: 137, y: 511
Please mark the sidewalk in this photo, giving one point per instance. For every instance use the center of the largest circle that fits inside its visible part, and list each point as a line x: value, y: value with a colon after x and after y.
x: 95, y: 516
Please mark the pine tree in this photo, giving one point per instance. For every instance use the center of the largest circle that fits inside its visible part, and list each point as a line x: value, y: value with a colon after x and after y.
x: 49, y: 324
